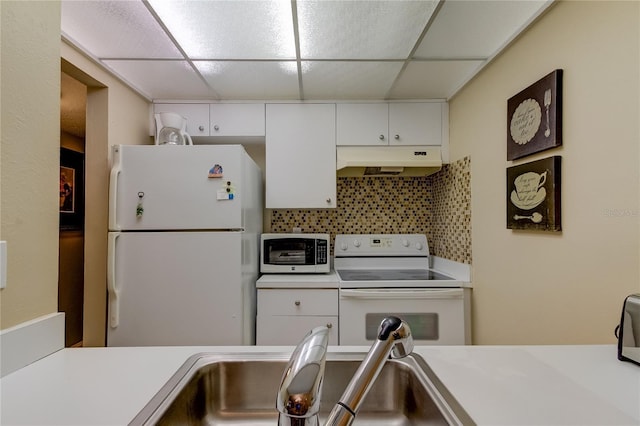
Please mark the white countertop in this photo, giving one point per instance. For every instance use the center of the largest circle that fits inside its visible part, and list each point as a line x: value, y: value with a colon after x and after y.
x: 328, y: 280
x: 497, y: 385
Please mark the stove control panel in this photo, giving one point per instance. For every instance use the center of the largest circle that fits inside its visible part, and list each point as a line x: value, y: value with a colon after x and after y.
x: 381, y: 245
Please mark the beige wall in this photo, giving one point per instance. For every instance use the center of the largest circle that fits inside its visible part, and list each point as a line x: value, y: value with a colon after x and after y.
x: 545, y: 288
x: 115, y: 115
x: 30, y: 130
x: 29, y: 173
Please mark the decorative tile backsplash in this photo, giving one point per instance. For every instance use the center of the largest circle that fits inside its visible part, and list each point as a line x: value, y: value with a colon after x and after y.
x: 438, y: 206
x: 450, y: 231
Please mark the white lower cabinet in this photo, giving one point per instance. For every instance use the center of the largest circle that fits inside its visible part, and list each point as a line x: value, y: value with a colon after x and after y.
x: 285, y: 316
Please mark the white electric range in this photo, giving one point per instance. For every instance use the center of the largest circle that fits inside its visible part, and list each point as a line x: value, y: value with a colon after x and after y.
x: 390, y: 274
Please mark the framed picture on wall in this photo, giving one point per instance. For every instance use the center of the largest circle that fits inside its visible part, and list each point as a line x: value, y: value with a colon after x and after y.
x: 534, y: 117
x: 71, y: 190
x: 533, y: 195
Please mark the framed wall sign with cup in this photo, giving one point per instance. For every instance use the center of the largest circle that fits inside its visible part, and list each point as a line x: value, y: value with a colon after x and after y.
x: 534, y: 117
x: 533, y: 195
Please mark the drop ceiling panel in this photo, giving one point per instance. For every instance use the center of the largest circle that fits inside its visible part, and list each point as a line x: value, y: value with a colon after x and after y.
x: 230, y: 29
x: 246, y: 49
x: 433, y: 79
x: 361, y: 29
x: 116, y: 29
x: 475, y: 29
x: 163, y: 79
x: 348, y: 80
x: 251, y: 79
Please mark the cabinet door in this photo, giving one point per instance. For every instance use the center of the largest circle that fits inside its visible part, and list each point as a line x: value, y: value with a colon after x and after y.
x: 197, y: 116
x: 300, y: 152
x: 362, y: 124
x: 237, y: 119
x: 415, y: 123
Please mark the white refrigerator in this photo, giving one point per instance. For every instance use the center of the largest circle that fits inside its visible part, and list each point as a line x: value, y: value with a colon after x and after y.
x: 183, y: 246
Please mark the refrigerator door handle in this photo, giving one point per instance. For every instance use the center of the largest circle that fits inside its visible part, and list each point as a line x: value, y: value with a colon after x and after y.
x: 113, y: 192
x: 114, y: 303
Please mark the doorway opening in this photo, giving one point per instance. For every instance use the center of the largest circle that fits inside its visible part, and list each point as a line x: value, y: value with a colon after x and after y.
x: 92, y: 264
x: 73, y: 104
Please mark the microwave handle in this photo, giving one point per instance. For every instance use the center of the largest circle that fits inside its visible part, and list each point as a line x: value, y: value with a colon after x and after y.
x: 431, y: 293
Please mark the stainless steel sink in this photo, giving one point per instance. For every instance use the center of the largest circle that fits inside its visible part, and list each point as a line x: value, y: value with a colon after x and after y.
x: 240, y: 389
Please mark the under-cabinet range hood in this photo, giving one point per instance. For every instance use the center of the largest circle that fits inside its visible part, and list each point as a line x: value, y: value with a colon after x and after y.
x: 388, y: 160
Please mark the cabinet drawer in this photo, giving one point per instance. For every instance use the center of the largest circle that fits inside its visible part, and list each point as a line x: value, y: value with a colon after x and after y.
x: 289, y: 330
x: 298, y: 302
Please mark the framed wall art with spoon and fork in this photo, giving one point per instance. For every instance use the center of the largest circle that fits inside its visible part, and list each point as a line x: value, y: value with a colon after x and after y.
x: 534, y: 117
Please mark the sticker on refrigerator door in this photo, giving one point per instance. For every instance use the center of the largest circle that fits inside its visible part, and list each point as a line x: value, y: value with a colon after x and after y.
x: 215, y: 172
x: 139, y: 208
x: 226, y: 192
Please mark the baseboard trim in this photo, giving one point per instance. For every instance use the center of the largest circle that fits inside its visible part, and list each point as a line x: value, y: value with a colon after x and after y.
x: 30, y: 341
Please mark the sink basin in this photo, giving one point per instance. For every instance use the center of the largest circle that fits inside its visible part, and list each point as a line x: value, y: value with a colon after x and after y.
x: 240, y: 389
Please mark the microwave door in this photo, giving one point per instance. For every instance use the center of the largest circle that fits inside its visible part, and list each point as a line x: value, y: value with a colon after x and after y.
x: 287, y: 257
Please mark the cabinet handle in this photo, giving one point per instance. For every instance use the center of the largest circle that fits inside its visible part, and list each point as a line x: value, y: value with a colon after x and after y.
x: 297, y: 303
x: 329, y: 325
x: 396, y: 137
x: 328, y: 200
x: 381, y: 137
x: 216, y: 128
x: 201, y: 128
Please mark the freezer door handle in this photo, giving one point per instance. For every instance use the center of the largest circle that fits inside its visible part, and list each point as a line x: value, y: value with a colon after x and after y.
x: 113, y: 192
x: 112, y: 287
x: 431, y: 293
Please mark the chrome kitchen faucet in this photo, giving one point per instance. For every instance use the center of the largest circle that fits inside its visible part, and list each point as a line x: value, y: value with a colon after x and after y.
x: 298, y: 400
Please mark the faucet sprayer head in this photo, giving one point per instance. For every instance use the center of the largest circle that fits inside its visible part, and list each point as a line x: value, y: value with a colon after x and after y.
x: 396, y: 330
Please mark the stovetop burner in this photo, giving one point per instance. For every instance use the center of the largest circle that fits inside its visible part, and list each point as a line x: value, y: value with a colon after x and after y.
x: 390, y: 275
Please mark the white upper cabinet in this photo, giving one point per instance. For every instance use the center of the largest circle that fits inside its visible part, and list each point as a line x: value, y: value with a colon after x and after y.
x: 300, y: 151
x: 362, y: 124
x: 237, y: 120
x: 410, y: 123
x: 415, y: 123
x: 197, y: 116
x: 221, y: 119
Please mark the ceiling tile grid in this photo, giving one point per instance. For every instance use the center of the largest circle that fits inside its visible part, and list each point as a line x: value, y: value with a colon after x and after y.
x: 116, y: 29
x: 300, y: 49
x: 361, y: 29
x: 348, y: 79
x: 245, y: 80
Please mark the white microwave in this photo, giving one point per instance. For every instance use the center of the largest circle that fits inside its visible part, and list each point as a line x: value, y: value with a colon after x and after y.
x: 294, y: 253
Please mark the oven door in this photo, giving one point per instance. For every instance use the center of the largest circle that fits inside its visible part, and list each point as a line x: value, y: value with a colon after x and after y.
x: 436, y: 316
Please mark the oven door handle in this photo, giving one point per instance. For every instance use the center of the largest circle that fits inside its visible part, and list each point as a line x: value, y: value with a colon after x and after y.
x: 431, y: 293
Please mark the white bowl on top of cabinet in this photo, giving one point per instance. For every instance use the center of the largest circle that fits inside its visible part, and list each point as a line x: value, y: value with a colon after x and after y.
x: 291, y: 305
